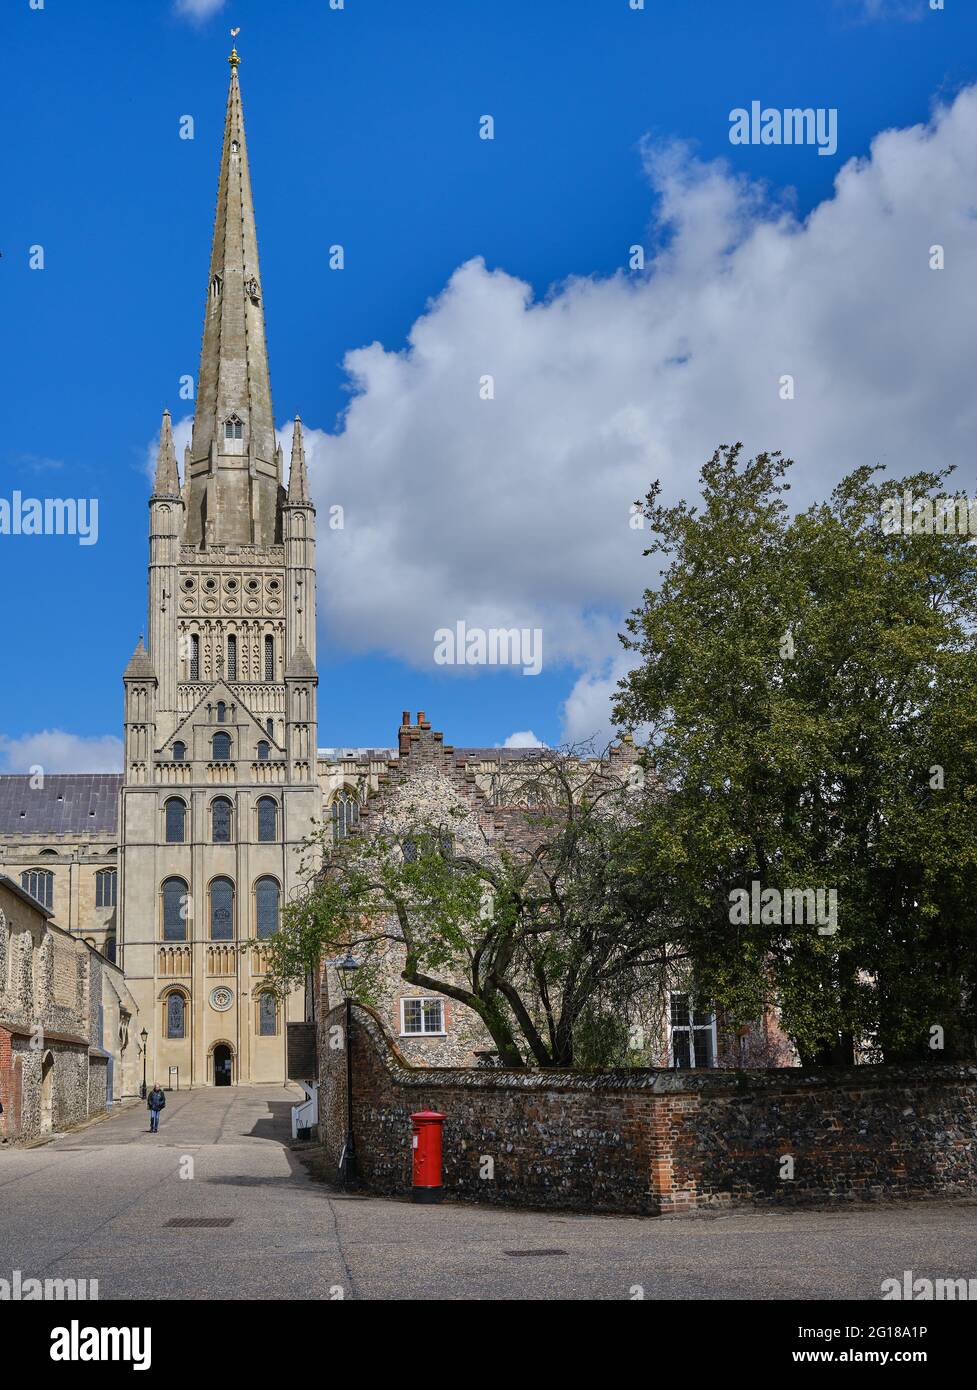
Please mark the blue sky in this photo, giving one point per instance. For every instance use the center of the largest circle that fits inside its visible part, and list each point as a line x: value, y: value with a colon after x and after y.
x: 464, y: 255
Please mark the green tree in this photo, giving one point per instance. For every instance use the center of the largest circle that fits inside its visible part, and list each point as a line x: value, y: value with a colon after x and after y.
x: 534, y: 937
x: 809, y: 686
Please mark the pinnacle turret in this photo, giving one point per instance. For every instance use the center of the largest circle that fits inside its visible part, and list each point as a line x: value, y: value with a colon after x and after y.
x: 140, y: 664
x: 298, y: 478
x: 167, y: 482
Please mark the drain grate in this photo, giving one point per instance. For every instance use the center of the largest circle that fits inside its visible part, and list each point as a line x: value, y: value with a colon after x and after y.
x: 185, y: 1222
x: 533, y: 1252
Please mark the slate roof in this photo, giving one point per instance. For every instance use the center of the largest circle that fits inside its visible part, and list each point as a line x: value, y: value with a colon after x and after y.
x: 63, y: 806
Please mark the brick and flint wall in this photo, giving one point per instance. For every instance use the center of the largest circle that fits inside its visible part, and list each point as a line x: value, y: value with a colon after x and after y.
x: 653, y: 1142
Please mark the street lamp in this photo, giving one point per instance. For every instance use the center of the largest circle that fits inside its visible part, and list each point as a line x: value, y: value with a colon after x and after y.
x: 346, y: 970
x: 145, y: 1038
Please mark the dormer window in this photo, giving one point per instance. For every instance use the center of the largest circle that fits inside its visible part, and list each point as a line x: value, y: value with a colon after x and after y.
x: 233, y: 428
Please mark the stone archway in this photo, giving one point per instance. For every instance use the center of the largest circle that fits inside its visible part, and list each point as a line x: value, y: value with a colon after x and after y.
x: 222, y: 1064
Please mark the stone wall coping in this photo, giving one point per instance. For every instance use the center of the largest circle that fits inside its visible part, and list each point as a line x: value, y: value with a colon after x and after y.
x: 17, y: 1030
x: 658, y: 1081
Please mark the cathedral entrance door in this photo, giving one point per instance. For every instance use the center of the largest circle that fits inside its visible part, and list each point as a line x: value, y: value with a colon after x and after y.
x: 222, y: 1065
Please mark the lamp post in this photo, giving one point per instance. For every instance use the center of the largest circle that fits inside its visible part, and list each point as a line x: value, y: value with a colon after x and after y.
x: 346, y: 970
x: 145, y: 1038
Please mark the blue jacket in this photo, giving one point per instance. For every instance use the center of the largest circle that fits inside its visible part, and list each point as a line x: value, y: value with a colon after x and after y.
x: 157, y: 1101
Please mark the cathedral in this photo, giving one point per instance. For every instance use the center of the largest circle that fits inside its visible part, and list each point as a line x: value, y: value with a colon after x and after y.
x: 167, y: 868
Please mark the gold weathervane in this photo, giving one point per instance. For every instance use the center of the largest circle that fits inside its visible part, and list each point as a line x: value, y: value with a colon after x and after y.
x: 234, y: 59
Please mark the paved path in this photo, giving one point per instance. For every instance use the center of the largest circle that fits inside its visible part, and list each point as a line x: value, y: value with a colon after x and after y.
x: 95, y: 1204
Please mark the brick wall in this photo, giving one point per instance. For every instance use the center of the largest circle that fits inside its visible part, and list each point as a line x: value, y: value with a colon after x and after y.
x: 9, y: 1088
x: 655, y: 1142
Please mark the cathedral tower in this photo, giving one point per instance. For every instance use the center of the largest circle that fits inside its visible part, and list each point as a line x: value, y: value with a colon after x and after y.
x: 220, y: 785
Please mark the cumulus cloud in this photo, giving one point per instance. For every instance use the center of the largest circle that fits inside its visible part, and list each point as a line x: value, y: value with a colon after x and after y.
x: 54, y: 750
x: 525, y: 739
x: 515, y: 511
x: 197, y: 10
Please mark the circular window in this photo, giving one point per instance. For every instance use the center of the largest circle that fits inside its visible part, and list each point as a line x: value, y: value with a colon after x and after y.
x: 253, y: 584
x: 210, y: 585
x: 231, y: 585
x: 221, y: 999
x: 274, y: 585
x: 189, y: 584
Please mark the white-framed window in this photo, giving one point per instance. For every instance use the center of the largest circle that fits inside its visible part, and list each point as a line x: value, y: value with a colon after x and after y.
x: 691, y: 1033
x: 419, y: 1017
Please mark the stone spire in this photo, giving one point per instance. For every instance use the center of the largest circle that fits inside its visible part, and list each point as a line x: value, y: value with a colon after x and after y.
x: 234, y: 471
x: 167, y: 482
x: 298, y: 478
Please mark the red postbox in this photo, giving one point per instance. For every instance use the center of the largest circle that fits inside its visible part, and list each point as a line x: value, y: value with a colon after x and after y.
x: 426, y: 1146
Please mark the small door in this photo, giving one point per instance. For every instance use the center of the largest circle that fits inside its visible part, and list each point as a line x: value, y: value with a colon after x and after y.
x: 222, y: 1065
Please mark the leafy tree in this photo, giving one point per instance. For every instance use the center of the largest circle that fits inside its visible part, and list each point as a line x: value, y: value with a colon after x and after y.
x: 809, y: 685
x: 533, y: 936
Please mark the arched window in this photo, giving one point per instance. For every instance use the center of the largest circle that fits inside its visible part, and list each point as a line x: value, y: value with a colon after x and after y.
x: 105, y: 883
x: 267, y: 819
x: 266, y: 900
x: 269, y: 658
x: 270, y: 728
x: 222, y: 748
x: 221, y: 712
x: 176, y: 1015
x: 220, y: 812
x: 194, y: 657
x: 262, y: 751
x: 176, y: 821
x: 179, y: 752
x: 175, y: 901
x: 267, y: 1014
x: 40, y: 884
x: 221, y: 910
x: 232, y: 658
x: 345, y: 813
x: 109, y: 950
x: 233, y: 428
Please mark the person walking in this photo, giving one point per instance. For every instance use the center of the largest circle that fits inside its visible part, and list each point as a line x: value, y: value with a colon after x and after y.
x: 156, y: 1103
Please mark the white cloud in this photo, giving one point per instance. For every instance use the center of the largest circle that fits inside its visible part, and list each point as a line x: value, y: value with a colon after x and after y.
x: 525, y: 739
x: 54, y: 750
x: 197, y: 10
x: 886, y: 9
x: 514, y: 512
